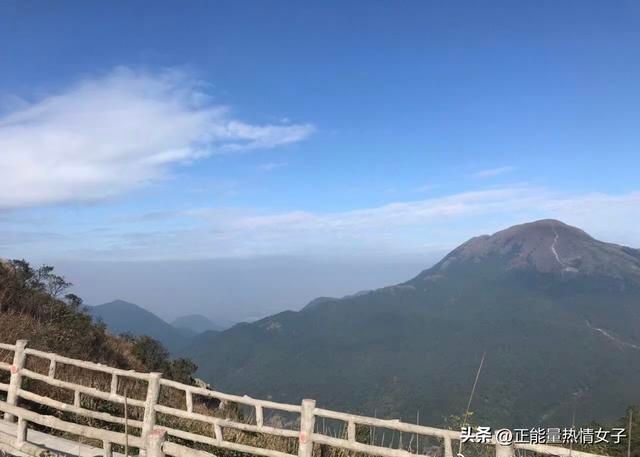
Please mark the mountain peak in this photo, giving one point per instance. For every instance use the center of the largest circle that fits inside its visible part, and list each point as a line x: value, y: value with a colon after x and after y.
x: 121, y: 316
x: 121, y: 303
x: 544, y: 228
x: 547, y: 246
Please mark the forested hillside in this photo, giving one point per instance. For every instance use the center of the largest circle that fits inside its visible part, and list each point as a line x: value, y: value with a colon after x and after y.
x: 34, y: 305
x: 556, y: 311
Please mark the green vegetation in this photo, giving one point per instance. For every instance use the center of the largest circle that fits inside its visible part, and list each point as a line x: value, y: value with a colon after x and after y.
x: 156, y: 358
x: 619, y: 449
x: 557, y: 340
x: 34, y: 306
x: 558, y: 343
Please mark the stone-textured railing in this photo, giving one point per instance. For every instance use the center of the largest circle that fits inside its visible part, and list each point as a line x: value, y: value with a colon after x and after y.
x: 157, y: 441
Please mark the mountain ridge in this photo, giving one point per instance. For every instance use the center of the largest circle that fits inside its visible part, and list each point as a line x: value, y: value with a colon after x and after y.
x: 401, y: 347
x: 121, y: 316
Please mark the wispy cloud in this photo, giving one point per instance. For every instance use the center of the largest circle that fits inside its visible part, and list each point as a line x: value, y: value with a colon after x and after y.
x: 105, y: 136
x: 273, y: 166
x: 398, y: 214
x: 418, y: 227
x: 493, y: 172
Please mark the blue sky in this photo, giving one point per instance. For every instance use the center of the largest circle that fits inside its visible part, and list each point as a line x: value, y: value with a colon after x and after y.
x: 209, y: 129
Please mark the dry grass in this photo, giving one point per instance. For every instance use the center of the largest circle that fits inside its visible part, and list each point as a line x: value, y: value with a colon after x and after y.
x: 133, y: 388
x: 176, y: 399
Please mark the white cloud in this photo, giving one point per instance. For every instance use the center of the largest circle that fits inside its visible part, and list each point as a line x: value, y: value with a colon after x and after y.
x: 273, y: 166
x: 443, y: 221
x: 493, y: 172
x: 417, y: 228
x: 105, y: 136
x: 399, y: 214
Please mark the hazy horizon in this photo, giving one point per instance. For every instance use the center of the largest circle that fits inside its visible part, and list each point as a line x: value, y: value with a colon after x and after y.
x: 232, y: 290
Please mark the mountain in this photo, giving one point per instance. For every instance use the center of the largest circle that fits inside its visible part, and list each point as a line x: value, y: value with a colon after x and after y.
x: 29, y: 311
x: 194, y: 324
x: 321, y: 300
x: 123, y: 317
x: 556, y: 311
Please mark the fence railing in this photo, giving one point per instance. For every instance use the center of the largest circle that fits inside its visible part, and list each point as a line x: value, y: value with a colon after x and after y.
x: 158, y: 441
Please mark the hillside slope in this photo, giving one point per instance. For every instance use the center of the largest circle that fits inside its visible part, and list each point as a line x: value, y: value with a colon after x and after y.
x: 557, y: 312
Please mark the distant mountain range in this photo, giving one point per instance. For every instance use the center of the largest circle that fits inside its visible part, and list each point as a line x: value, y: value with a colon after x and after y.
x: 556, y: 311
x: 194, y: 324
x: 123, y: 317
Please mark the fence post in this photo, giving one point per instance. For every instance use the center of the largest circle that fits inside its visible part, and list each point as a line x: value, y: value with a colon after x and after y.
x: 21, y: 432
x: 107, y: 449
x: 149, y: 420
x: 504, y: 450
x: 154, y: 443
x: 16, y: 376
x: 307, y: 422
x: 448, y: 450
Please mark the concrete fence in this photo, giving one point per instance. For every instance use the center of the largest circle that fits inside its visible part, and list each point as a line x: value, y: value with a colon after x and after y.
x: 158, y: 441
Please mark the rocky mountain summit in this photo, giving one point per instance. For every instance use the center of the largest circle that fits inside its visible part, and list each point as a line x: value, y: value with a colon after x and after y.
x: 548, y: 246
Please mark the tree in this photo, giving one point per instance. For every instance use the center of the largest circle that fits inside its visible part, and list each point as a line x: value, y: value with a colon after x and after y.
x: 150, y: 352
x: 182, y: 370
